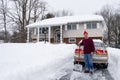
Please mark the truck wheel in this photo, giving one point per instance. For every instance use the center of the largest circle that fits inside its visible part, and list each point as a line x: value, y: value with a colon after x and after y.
x: 97, y: 66
x: 75, y: 62
x: 105, y: 65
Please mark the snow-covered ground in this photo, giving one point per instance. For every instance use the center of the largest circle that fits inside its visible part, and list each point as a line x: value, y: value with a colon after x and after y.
x: 39, y: 61
x: 32, y: 61
x: 114, y: 62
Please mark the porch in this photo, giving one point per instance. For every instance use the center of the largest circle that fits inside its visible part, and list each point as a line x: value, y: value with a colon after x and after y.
x: 51, y: 34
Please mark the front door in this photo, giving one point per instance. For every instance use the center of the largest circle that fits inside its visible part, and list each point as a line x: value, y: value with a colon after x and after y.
x: 57, y: 35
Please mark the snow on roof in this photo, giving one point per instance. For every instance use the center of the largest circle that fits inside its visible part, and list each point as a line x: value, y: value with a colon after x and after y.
x: 65, y: 20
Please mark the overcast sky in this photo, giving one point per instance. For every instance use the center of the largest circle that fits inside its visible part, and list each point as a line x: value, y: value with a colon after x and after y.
x: 80, y: 6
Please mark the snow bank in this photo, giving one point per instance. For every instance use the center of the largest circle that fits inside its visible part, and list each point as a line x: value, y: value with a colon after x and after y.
x: 39, y: 61
x: 114, y: 62
x: 32, y: 61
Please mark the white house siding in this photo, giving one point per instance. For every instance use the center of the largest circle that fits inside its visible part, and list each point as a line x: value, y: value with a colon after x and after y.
x: 79, y: 32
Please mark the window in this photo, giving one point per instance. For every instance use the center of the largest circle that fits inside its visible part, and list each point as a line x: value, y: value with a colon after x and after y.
x: 94, y: 25
x: 91, y: 25
x: 71, y: 26
x: 98, y: 44
x: 72, y: 40
x: 43, y: 30
x: 88, y: 26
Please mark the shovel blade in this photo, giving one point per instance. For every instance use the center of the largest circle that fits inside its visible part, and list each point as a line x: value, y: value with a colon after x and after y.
x: 78, y: 67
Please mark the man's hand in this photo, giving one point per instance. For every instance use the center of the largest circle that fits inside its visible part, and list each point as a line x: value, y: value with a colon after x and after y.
x: 92, y: 53
x: 77, y: 44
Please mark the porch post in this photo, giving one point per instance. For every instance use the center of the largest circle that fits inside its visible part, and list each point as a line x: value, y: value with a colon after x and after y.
x: 38, y: 35
x: 28, y: 35
x: 49, y: 32
x: 34, y: 31
x: 61, y: 35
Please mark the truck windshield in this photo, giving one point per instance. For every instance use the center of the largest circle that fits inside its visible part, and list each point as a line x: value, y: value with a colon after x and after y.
x: 98, y: 44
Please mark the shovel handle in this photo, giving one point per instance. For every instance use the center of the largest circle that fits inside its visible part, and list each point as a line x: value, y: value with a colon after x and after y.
x: 79, y: 56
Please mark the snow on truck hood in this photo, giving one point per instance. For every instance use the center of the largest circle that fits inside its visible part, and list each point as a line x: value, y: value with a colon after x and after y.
x: 97, y: 40
x: 65, y: 20
x: 94, y: 40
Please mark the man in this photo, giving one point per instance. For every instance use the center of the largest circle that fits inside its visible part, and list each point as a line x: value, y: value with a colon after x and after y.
x: 88, y: 52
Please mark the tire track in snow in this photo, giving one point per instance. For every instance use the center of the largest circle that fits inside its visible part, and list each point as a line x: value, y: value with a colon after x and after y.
x: 98, y: 75
x: 67, y: 73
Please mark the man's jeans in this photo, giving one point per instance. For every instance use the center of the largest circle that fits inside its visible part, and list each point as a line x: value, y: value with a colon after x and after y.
x: 88, y: 59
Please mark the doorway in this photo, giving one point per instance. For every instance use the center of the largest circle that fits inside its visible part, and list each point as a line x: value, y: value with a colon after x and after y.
x: 57, y: 35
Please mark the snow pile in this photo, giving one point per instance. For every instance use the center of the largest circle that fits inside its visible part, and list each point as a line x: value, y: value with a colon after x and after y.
x: 114, y: 62
x: 33, y: 61
x: 39, y: 61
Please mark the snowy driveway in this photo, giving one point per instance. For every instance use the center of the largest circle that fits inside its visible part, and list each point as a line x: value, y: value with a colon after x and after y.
x: 112, y: 73
x: 67, y: 73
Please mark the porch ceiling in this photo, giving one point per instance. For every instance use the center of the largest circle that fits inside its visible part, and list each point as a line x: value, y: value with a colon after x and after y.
x: 57, y: 21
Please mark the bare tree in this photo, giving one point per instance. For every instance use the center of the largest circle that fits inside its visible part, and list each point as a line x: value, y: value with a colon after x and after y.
x: 39, y: 9
x: 49, y: 15
x: 116, y: 29
x: 63, y: 13
x: 112, y: 19
x: 25, y: 12
x: 108, y: 15
x: 3, y: 14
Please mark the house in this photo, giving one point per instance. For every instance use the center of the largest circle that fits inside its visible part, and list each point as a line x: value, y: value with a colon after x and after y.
x: 68, y: 29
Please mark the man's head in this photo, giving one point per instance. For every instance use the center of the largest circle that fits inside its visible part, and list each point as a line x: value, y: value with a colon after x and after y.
x: 85, y: 34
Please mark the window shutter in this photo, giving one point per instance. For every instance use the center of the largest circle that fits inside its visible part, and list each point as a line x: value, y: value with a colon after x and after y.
x: 77, y: 25
x: 85, y: 26
x: 65, y: 27
x: 98, y: 25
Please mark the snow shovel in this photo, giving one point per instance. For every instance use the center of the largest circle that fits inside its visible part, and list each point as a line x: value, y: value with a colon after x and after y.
x: 78, y: 67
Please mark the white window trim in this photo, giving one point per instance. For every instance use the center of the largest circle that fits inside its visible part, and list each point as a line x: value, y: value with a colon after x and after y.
x: 72, y: 38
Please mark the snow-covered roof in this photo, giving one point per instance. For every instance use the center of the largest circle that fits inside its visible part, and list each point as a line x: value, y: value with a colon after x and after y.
x: 65, y: 20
